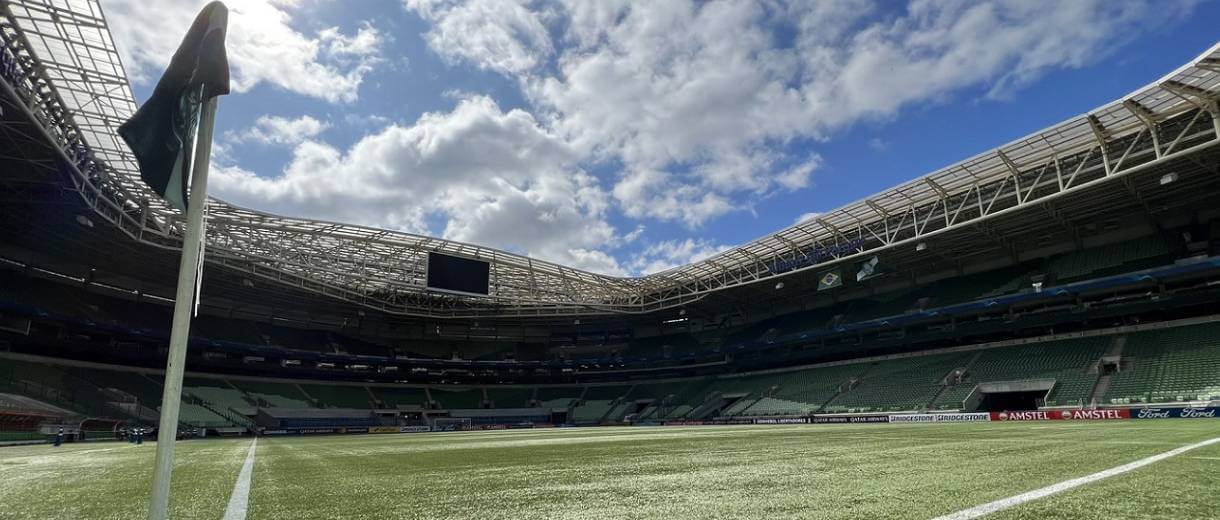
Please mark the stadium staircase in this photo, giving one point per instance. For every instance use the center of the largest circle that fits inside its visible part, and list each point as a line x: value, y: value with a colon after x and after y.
x: 902, y: 384
x: 1112, y: 358
x: 266, y: 394
x: 710, y: 405
x: 952, y: 380
x: 376, y: 401
x: 565, y: 397
x: 220, y: 398
x: 190, y: 413
x: 308, y: 397
x: 662, y: 398
x: 597, y: 403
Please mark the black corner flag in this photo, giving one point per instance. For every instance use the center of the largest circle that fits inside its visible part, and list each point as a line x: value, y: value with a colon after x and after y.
x: 161, y: 134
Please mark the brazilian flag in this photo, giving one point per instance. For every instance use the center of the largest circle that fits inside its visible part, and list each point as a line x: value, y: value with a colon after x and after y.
x: 161, y: 134
x: 829, y: 280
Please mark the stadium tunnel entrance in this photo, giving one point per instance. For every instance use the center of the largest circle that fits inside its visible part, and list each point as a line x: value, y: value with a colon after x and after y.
x: 1011, y: 401
x: 1009, y: 396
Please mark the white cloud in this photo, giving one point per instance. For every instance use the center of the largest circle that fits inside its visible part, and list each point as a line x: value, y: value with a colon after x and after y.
x: 500, y: 35
x: 938, y: 47
x: 699, y: 101
x: 263, y: 46
x: 278, y: 130
x: 494, y: 177
x: 804, y: 217
x: 664, y: 255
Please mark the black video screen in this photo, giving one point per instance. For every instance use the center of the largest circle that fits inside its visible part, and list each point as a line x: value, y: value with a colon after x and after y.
x: 457, y: 274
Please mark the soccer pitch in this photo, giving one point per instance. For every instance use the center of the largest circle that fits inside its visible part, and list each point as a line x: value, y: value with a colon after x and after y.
x: 804, y: 471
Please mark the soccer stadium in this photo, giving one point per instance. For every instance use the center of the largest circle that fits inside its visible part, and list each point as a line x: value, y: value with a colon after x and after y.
x: 1031, y: 332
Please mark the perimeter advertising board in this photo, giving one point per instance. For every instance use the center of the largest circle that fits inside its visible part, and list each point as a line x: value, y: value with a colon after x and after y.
x: 941, y: 418
x: 1101, y: 414
x: 849, y: 419
x: 783, y: 420
x: 1175, y: 413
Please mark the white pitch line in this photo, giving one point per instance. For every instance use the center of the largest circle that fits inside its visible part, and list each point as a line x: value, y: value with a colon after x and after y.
x: 1005, y: 503
x: 239, y: 501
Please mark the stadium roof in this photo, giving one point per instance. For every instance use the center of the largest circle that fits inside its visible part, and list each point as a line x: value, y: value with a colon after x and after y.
x: 65, y: 57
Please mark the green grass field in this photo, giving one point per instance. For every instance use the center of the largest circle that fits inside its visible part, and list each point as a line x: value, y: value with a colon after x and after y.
x: 833, y: 471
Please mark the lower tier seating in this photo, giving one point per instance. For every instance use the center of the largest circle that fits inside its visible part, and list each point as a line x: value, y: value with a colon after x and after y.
x: 1181, y: 364
x: 1153, y: 366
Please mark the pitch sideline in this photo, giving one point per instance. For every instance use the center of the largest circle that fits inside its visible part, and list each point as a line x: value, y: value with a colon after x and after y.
x: 1005, y: 503
x: 239, y: 501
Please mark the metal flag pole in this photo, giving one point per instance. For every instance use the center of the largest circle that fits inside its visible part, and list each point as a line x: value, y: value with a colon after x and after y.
x: 171, y: 399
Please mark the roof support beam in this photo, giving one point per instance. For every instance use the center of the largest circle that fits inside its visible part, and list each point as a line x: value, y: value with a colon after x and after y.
x: 1102, y: 135
x: 1149, y: 119
x: 1012, y: 168
x: 1196, y: 96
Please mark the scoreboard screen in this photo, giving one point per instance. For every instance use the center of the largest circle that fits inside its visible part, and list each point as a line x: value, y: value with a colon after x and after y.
x: 456, y: 274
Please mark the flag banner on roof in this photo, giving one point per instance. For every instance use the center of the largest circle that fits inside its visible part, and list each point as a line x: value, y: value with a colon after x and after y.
x: 867, y: 270
x: 161, y: 134
x: 829, y: 280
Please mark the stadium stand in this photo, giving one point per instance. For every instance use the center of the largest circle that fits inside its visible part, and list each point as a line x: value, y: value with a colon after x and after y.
x: 458, y: 398
x: 336, y: 396
x: 558, y: 396
x: 402, y: 397
x: 810, y: 390
x: 1151, y: 366
x: 1181, y: 364
x: 510, y: 397
x: 1068, y: 362
x: 216, y: 391
x: 967, y: 277
x: 276, y: 395
x: 907, y: 384
x: 200, y: 416
x: 1115, y: 258
x: 591, y: 411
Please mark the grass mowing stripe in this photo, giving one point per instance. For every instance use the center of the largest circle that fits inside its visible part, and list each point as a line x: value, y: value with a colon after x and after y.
x: 240, y: 499
x: 1005, y: 503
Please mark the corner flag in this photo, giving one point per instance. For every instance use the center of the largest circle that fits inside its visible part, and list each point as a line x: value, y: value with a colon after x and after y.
x: 161, y: 134
x: 171, y: 137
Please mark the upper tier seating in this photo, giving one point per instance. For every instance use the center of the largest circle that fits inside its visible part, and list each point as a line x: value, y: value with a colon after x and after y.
x: 1108, y: 259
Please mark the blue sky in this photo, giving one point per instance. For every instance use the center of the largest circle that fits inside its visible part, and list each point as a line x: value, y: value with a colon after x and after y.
x: 626, y: 137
